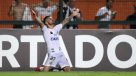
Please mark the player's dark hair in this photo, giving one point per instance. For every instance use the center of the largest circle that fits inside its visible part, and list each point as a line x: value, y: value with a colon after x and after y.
x: 45, y: 18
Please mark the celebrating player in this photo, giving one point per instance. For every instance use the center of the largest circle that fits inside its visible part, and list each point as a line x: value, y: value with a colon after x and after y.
x: 51, y: 36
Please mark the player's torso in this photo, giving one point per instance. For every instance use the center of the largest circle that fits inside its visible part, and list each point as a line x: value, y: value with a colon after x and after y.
x: 52, y: 39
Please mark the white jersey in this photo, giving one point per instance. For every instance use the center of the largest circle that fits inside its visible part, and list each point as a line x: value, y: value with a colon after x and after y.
x: 51, y: 37
x: 55, y: 55
x: 102, y: 11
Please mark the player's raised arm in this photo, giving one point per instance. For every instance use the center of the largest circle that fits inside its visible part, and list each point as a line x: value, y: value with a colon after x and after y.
x: 66, y: 20
x: 37, y: 19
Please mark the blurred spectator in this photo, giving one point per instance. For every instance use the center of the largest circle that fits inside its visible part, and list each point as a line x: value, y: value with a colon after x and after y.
x: 132, y: 17
x: 105, y: 14
x: 45, y: 8
x: 68, y: 7
x: 20, y: 11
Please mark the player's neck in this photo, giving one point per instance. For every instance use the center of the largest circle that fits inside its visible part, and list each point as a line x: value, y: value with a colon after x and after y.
x: 50, y: 26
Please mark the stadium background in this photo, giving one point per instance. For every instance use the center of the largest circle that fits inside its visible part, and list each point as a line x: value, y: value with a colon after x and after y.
x: 89, y: 9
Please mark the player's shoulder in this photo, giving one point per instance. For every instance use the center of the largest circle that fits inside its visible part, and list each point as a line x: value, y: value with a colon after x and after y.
x: 44, y: 28
x: 60, y: 25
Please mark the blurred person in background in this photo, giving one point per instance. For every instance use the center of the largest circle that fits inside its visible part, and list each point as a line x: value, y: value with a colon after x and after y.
x: 20, y: 12
x: 45, y: 8
x: 106, y: 14
x: 132, y: 17
x: 68, y: 6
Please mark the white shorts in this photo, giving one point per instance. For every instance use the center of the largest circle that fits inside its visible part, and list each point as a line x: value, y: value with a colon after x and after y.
x: 57, y: 59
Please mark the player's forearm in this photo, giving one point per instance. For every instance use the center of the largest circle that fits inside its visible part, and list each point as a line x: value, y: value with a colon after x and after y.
x: 37, y: 18
x: 66, y: 20
x: 39, y: 21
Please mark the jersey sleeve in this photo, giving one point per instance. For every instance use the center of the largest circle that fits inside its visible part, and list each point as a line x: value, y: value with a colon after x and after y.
x: 44, y: 28
x: 58, y: 27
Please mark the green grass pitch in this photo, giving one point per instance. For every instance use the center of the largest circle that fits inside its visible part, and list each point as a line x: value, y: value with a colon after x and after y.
x: 75, y: 73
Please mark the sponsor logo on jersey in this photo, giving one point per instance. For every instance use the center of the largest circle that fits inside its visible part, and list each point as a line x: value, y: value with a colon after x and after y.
x: 54, y: 38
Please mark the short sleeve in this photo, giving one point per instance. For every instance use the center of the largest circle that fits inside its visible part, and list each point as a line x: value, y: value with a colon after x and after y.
x: 58, y: 27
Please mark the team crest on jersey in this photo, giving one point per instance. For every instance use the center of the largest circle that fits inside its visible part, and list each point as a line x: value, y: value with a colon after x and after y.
x: 51, y: 32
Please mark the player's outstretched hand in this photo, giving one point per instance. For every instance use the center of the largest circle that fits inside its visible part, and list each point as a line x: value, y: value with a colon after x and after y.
x: 33, y: 12
x: 75, y: 12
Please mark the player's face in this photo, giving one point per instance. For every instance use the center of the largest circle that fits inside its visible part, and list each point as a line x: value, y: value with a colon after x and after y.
x: 50, y: 21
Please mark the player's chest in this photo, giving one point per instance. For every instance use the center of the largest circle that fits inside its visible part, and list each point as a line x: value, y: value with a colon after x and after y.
x: 52, y: 33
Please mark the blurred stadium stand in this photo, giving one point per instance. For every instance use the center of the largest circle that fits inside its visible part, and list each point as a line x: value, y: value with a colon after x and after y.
x: 89, y: 9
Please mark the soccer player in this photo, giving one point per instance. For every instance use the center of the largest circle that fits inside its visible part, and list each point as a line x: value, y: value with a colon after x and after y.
x: 51, y: 36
